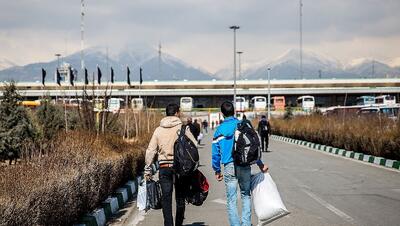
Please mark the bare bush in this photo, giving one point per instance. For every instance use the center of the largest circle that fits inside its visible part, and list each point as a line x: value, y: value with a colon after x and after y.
x: 73, y: 179
x: 379, y: 136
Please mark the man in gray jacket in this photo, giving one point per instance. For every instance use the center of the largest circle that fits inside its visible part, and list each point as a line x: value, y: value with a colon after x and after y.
x: 162, y: 146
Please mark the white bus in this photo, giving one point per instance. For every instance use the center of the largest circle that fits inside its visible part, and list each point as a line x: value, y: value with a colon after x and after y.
x: 186, y: 104
x: 137, y: 104
x: 259, y: 103
x: 307, y: 103
x: 241, y: 104
x: 385, y: 100
x: 115, y: 104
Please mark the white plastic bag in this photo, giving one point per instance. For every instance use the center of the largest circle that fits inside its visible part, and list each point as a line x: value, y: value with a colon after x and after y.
x: 200, y: 137
x: 141, y: 196
x: 267, y: 201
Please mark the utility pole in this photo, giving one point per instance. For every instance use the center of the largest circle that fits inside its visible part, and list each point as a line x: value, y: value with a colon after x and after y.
x: 373, y: 68
x: 82, y: 34
x: 159, y: 60
x: 269, y: 94
x: 240, y: 64
x: 234, y: 28
x: 301, y: 38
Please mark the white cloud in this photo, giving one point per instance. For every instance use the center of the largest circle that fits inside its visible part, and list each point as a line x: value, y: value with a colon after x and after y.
x: 197, y: 30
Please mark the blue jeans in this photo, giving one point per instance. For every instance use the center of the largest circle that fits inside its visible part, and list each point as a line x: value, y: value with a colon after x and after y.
x: 234, y: 175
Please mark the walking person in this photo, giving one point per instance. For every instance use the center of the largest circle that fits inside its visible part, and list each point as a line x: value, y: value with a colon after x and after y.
x: 264, y: 130
x: 198, y: 127
x: 205, y: 126
x: 232, y: 174
x: 161, y: 147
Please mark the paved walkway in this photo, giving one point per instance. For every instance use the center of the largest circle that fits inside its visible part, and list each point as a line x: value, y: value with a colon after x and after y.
x: 318, y: 189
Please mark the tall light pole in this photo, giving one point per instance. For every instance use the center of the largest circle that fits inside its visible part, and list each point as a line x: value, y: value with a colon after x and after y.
x: 58, y: 59
x: 301, y: 38
x: 240, y: 64
x: 234, y: 28
x: 269, y: 94
x: 82, y: 33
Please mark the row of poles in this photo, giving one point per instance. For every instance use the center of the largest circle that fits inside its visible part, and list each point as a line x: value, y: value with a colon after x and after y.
x: 234, y: 28
x: 72, y: 77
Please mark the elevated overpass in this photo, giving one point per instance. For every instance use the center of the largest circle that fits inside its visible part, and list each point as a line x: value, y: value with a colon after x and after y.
x: 330, y: 90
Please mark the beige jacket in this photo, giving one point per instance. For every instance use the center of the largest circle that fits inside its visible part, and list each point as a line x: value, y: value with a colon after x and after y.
x: 162, y: 142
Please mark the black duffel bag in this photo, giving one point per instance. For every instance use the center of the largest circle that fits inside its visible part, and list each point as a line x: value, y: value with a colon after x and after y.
x: 153, y: 199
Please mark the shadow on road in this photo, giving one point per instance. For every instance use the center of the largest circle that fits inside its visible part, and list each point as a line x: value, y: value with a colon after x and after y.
x: 196, y: 224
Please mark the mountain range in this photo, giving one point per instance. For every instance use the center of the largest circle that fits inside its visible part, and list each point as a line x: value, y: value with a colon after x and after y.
x: 315, y: 66
x: 168, y: 67
x: 154, y: 68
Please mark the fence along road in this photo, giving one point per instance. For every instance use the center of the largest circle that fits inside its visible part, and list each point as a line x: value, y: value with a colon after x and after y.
x: 318, y: 189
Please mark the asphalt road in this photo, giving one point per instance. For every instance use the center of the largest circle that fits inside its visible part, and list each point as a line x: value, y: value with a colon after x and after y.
x: 317, y: 188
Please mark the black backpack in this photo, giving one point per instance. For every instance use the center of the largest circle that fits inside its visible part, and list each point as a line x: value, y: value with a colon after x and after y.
x: 186, y: 155
x: 246, y: 148
x: 264, y: 128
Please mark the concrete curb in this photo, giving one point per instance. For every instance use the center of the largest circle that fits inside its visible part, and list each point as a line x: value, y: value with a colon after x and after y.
x: 389, y: 163
x: 110, y: 206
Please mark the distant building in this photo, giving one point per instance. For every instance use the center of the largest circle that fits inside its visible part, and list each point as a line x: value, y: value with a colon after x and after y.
x: 65, y: 73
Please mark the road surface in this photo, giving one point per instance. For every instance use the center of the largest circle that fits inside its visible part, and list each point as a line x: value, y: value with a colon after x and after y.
x: 317, y: 188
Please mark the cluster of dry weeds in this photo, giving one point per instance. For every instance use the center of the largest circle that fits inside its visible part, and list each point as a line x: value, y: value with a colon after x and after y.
x: 373, y: 135
x: 58, y: 188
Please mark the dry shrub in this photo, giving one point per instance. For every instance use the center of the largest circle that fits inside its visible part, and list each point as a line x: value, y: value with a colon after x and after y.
x: 379, y: 136
x: 74, y: 178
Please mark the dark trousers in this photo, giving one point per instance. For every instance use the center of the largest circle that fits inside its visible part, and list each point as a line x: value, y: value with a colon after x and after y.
x: 264, y: 143
x: 167, y: 179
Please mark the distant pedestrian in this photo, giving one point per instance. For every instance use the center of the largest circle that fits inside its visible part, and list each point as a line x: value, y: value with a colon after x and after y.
x: 233, y: 175
x: 205, y: 126
x: 198, y: 127
x: 194, y: 129
x: 212, y: 125
x: 264, y: 130
x: 161, y: 149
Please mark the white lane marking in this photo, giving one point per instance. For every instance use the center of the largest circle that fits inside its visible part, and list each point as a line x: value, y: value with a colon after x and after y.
x: 330, y: 207
x: 396, y: 190
x: 219, y: 201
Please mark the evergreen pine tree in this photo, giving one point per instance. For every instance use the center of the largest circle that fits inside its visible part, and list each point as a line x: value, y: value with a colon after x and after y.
x: 15, y: 125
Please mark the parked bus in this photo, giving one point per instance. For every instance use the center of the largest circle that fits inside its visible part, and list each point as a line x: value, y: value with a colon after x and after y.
x: 278, y: 102
x: 390, y: 112
x: 115, y: 104
x: 385, y: 100
x: 30, y: 103
x: 186, y: 104
x: 306, y: 103
x: 137, y: 104
x: 241, y: 104
x: 259, y: 103
x: 365, y: 100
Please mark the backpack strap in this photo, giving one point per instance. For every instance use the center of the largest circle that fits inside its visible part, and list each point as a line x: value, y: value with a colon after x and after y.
x: 183, y: 131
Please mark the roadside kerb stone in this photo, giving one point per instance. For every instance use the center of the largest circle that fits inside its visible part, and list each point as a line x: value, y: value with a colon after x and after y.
x: 342, y: 152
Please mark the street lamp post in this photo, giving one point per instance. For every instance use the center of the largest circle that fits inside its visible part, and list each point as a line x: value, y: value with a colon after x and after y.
x: 240, y: 64
x: 269, y: 94
x: 58, y: 59
x: 234, y: 28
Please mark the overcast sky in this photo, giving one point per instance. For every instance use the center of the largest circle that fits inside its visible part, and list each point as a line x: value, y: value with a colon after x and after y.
x: 197, y: 30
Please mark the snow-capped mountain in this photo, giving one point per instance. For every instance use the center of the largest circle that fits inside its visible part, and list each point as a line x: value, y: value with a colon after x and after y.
x: 170, y: 68
x: 315, y: 66
x: 287, y: 66
x: 369, y: 68
x: 4, y: 64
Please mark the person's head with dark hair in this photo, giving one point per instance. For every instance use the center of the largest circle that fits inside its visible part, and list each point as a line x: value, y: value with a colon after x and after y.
x: 227, y: 109
x: 263, y: 118
x: 172, y: 109
x: 244, y: 117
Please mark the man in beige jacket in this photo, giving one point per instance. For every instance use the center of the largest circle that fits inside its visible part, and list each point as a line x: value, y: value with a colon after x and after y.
x: 161, y: 146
